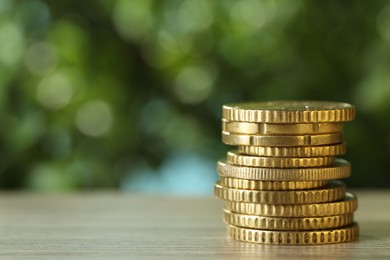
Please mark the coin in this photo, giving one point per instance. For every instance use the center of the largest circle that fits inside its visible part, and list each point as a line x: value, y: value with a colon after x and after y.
x: 234, y: 157
x: 269, y: 185
x: 291, y: 223
x: 289, y: 112
x: 247, y: 128
x: 302, y: 151
x: 334, y: 190
x: 339, y: 170
x: 318, y: 237
x: 282, y: 140
x: 346, y: 206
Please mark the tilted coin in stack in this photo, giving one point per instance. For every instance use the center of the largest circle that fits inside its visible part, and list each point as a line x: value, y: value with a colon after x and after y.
x: 333, y: 191
x: 282, y: 140
x: 281, y: 185
x: 245, y: 128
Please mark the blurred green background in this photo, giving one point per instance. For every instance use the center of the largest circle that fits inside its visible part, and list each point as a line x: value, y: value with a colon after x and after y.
x: 127, y: 94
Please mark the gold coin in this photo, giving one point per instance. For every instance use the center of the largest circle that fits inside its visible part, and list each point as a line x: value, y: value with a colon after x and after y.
x: 289, y: 112
x: 346, y: 206
x: 269, y: 185
x: 302, y: 151
x: 318, y: 237
x: 334, y: 190
x: 278, y: 162
x: 282, y: 140
x: 247, y: 128
x: 292, y: 223
x: 341, y: 169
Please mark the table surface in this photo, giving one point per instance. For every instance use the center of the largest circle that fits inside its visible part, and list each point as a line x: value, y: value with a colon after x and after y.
x: 129, y: 226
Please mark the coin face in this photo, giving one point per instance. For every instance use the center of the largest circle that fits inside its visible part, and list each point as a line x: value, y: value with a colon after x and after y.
x: 291, y: 105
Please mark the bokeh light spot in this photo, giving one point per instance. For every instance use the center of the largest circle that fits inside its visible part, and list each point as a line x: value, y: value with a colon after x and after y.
x: 55, y: 91
x: 166, y: 50
x: 94, y: 118
x: 194, y: 16
x: 41, y: 58
x: 11, y: 44
x: 193, y: 84
x: 252, y: 14
x: 70, y: 39
x: 49, y: 177
x: 133, y: 19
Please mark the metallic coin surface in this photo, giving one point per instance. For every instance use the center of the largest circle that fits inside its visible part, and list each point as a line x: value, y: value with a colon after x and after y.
x: 282, y: 140
x: 339, y: 170
x: 289, y: 112
x: 317, y: 237
x: 233, y: 157
x: 333, y: 191
x: 346, y: 206
x: 269, y: 185
x: 247, y: 128
x: 291, y: 223
x: 302, y: 151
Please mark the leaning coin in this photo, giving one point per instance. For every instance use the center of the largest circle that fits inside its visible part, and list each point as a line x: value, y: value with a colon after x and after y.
x: 346, y: 206
x: 282, y: 140
x: 234, y: 157
x: 333, y: 191
x: 269, y: 185
x: 247, y: 128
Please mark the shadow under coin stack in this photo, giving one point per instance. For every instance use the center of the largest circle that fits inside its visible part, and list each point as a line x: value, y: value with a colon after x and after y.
x: 281, y: 184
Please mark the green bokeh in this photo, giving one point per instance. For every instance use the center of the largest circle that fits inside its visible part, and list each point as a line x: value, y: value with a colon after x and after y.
x: 91, y: 89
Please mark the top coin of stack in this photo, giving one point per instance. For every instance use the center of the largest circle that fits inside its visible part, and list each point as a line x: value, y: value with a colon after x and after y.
x: 286, y: 158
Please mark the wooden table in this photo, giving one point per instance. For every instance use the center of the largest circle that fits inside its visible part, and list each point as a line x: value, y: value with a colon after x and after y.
x: 127, y: 226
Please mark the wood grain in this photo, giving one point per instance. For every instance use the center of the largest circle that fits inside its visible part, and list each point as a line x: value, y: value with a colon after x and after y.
x: 128, y: 226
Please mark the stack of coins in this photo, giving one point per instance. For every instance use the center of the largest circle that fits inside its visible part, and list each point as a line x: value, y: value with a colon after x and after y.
x: 281, y: 184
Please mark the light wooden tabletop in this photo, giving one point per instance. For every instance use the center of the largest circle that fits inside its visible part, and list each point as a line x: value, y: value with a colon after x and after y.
x: 128, y: 226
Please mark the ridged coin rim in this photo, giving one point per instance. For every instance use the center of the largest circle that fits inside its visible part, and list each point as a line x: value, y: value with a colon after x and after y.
x: 282, y: 140
x: 234, y: 157
x: 348, y: 205
x: 333, y: 191
x: 302, y: 151
x: 285, y: 112
x: 269, y: 185
x: 318, y: 237
x: 248, y: 128
x: 287, y: 224
x: 339, y: 170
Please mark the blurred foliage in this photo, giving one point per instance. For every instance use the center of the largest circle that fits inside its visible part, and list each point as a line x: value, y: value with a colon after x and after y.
x: 92, y: 91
